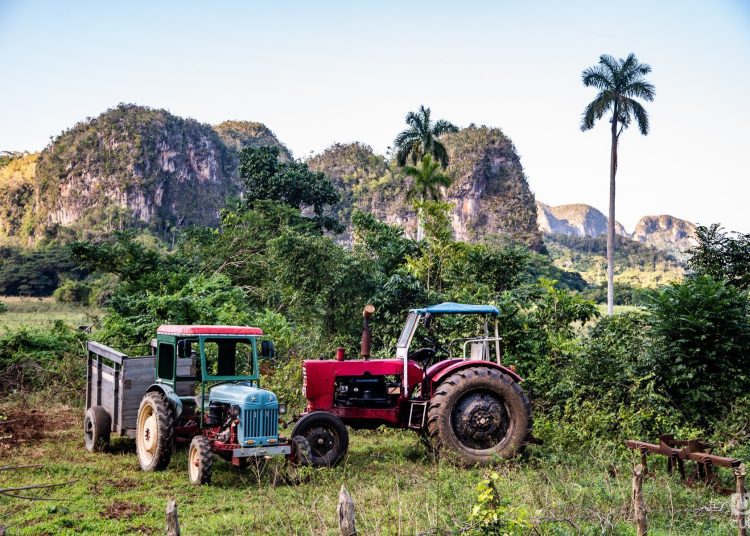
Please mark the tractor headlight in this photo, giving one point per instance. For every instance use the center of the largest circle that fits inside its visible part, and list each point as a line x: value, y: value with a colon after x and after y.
x: 282, y: 408
x: 234, y: 411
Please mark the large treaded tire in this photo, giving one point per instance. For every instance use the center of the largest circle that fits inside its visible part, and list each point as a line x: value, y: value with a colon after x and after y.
x: 154, y: 454
x: 479, y: 415
x: 327, y: 436
x: 97, y: 426
x: 200, y: 461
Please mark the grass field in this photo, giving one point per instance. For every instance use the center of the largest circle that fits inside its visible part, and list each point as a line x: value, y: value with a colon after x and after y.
x: 397, y: 487
x: 42, y: 312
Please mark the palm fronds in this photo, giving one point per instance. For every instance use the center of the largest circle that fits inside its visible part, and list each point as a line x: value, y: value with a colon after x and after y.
x: 421, y: 138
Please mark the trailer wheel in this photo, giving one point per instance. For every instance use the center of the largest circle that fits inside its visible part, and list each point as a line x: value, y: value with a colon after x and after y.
x: 479, y: 415
x: 97, y: 426
x: 326, y: 435
x: 200, y: 461
x: 155, y: 432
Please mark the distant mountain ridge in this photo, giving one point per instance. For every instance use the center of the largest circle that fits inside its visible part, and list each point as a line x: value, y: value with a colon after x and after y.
x: 663, y: 232
x: 139, y: 167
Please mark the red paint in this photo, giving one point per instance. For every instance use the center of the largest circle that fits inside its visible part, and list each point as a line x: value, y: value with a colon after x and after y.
x: 208, y: 330
x: 320, y: 376
x: 340, y: 355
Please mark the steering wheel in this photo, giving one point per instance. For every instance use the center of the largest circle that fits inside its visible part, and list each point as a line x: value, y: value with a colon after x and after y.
x: 428, y: 354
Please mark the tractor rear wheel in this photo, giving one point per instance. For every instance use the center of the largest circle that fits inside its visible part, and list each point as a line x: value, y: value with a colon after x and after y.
x: 97, y: 426
x: 326, y: 435
x: 200, y: 461
x: 479, y: 415
x: 154, y: 438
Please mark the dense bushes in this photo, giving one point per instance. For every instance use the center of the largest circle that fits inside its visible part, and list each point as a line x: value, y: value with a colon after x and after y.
x: 701, y: 333
x: 35, y: 272
x: 40, y: 359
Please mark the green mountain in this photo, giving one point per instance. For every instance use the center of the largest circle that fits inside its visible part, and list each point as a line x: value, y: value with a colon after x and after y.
x: 490, y: 194
x: 130, y: 167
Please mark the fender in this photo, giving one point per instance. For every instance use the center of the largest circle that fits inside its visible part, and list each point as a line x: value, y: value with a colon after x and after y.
x: 437, y: 372
x: 172, y: 397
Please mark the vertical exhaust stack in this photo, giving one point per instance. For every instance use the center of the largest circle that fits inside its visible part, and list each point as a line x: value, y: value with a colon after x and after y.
x: 366, y: 331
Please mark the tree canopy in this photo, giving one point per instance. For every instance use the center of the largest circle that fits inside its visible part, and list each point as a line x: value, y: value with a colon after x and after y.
x: 421, y: 138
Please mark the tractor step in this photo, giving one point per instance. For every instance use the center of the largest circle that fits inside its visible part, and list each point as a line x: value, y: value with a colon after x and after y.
x: 418, y: 415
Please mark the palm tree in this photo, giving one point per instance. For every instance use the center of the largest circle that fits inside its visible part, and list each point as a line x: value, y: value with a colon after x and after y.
x: 421, y: 138
x: 426, y: 186
x: 620, y: 82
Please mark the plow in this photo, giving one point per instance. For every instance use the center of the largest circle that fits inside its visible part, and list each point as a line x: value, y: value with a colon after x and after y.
x: 678, y: 452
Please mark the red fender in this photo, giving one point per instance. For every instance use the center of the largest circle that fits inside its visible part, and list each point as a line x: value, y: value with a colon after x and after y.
x: 437, y: 372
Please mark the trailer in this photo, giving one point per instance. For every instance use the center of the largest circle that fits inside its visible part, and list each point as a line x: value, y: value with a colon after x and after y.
x: 115, y: 385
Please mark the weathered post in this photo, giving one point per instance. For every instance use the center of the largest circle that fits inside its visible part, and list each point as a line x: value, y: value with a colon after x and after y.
x: 639, y: 509
x: 345, y: 510
x: 739, y: 474
x: 173, y: 527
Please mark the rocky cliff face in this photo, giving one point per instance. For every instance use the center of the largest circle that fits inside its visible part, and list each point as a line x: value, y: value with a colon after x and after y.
x: 574, y: 220
x: 665, y: 232
x: 489, y: 190
x: 136, y: 166
x: 490, y: 193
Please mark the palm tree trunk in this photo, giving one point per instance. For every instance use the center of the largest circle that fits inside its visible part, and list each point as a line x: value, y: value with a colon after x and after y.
x: 611, y: 220
x: 420, y: 223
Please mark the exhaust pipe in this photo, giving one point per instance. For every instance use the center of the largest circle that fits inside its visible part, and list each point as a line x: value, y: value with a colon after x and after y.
x: 367, y: 313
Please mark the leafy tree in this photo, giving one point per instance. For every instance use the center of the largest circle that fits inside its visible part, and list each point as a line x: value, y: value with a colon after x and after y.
x: 421, y: 138
x: 427, y: 181
x: 267, y: 178
x: 722, y: 255
x: 620, y: 83
x: 35, y: 272
x: 386, y: 244
x: 701, y: 333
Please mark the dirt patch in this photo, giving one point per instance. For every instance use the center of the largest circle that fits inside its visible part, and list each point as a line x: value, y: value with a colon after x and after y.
x: 21, y: 427
x: 123, y: 484
x: 124, y: 510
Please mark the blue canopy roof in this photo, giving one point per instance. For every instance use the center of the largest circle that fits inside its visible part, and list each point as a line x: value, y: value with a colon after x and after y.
x: 449, y: 308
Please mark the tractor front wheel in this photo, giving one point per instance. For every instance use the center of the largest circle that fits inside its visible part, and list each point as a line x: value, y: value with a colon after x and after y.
x: 200, y: 461
x: 97, y: 426
x: 479, y: 415
x: 154, y: 432
x: 326, y: 435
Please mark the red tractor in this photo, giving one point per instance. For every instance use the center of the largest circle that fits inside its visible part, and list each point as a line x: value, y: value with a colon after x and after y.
x: 465, y: 403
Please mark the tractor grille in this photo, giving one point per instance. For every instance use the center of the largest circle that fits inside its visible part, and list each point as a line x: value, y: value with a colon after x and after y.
x: 261, y: 422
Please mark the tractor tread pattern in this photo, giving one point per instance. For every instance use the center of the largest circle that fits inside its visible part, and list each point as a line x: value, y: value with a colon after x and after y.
x: 206, y: 459
x: 440, y: 403
x: 165, y: 420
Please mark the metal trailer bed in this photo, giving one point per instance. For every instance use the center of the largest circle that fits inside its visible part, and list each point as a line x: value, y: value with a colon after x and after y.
x: 117, y: 383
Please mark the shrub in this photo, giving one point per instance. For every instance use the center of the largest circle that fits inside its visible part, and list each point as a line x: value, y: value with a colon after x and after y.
x: 71, y: 291
x: 701, y: 332
x: 35, y: 359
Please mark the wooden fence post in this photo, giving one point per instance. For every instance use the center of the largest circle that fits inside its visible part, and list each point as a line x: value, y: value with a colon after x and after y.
x: 741, y: 504
x: 173, y: 527
x: 345, y: 510
x: 639, y: 509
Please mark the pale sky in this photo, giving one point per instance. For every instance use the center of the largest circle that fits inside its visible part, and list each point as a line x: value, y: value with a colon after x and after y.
x: 325, y: 72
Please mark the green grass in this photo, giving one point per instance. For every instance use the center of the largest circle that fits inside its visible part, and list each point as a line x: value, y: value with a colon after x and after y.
x: 397, y: 488
x: 42, y: 312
